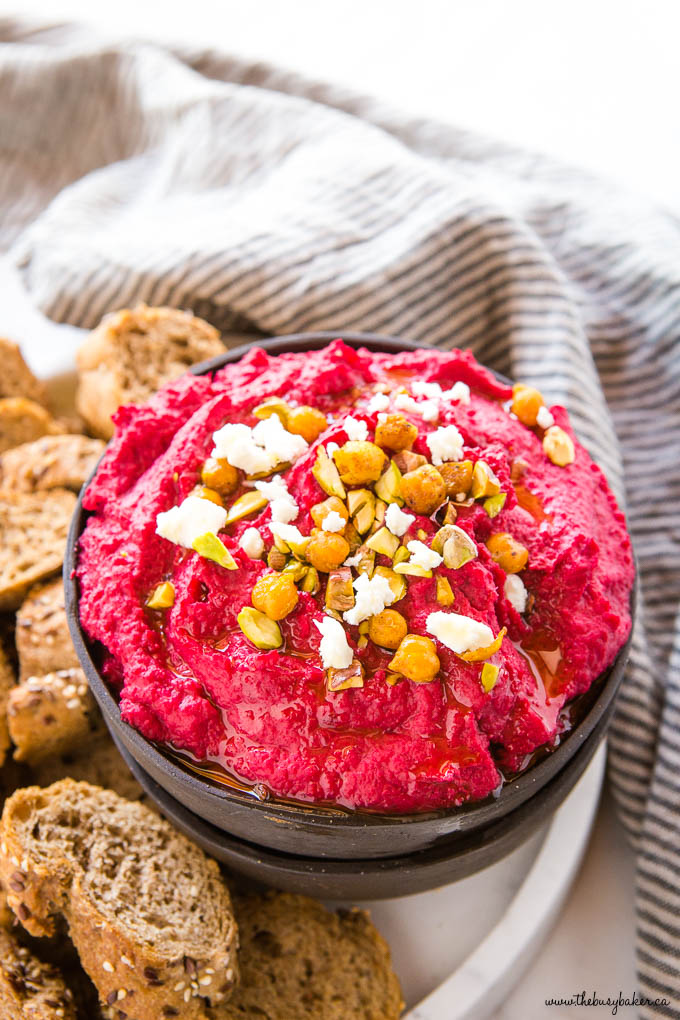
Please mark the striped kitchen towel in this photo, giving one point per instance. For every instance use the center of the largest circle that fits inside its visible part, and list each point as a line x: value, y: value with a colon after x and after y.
x: 268, y: 204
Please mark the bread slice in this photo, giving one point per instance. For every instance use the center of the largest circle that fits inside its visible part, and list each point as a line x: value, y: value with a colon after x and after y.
x: 43, y: 640
x: 16, y: 379
x: 7, y: 682
x: 22, y: 421
x: 299, y: 961
x: 132, y: 353
x: 30, y: 989
x: 51, y: 715
x: 97, y: 761
x: 51, y: 462
x: 148, y: 913
x: 34, y: 529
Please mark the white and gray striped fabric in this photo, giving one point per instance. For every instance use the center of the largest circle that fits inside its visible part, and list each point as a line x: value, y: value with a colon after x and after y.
x: 273, y: 205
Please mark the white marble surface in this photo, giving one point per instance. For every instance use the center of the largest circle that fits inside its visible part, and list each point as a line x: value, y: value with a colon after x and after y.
x: 595, y: 84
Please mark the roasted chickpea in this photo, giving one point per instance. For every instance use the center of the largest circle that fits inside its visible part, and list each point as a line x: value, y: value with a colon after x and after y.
x: 508, y: 553
x: 219, y: 475
x: 526, y: 403
x: 275, y: 595
x: 320, y: 511
x: 396, y: 433
x: 559, y: 446
x: 457, y: 477
x: 306, y: 421
x: 416, y: 659
x: 387, y: 628
x: 359, y: 462
x: 327, y: 550
x: 423, y: 490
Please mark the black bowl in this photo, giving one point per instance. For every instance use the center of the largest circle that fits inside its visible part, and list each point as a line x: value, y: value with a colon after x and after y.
x: 314, y: 831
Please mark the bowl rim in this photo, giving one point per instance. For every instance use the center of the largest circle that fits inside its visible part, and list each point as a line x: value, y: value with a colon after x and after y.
x: 512, y: 792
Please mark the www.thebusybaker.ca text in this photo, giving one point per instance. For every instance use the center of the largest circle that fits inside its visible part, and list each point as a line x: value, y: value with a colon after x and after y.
x: 583, y: 999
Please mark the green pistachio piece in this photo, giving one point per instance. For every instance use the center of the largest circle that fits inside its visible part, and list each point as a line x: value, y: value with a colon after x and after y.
x: 388, y: 485
x: 367, y: 562
x: 484, y: 481
x: 339, y: 590
x: 352, y: 536
x: 401, y: 555
x: 281, y: 466
x: 494, y: 504
x: 342, y: 679
x: 327, y: 475
x: 247, y: 504
x: 258, y: 628
x: 458, y: 548
x: 361, y: 504
x: 212, y: 548
x: 273, y: 405
x: 489, y: 676
x: 395, y: 581
x: 276, y: 559
x: 310, y: 582
x: 162, y: 597
x: 297, y: 569
x: 383, y: 542
x: 412, y: 569
x: 445, y: 596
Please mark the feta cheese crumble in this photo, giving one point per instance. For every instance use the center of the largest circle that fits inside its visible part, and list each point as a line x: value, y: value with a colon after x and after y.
x: 420, y: 388
x: 428, y: 410
x: 331, y: 448
x: 372, y: 595
x: 333, y: 522
x: 259, y: 449
x: 286, y: 532
x: 544, y: 418
x: 459, y: 633
x: 252, y: 543
x: 515, y: 592
x: 445, y: 444
x: 397, y: 521
x: 378, y: 402
x: 334, y: 649
x: 459, y: 393
x: 354, y: 428
x: 190, y: 520
x: 423, y: 556
x: 282, y: 505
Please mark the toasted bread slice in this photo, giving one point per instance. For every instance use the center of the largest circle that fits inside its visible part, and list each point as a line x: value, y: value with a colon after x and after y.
x: 51, y: 462
x: 147, y: 911
x: 34, y: 529
x: 16, y: 379
x: 7, y: 682
x: 22, y: 421
x: 132, y: 353
x: 299, y: 960
x: 42, y: 635
x: 51, y: 715
x: 97, y: 761
x: 30, y: 989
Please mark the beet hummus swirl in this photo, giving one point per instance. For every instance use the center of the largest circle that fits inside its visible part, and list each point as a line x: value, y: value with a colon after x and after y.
x: 363, y: 579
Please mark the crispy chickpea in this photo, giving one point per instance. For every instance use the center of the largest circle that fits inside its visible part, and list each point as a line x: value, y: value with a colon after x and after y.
x: 387, y: 628
x: 320, y: 511
x: 508, y: 553
x: 416, y: 659
x: 218, y: 474
x: 396, y: 433
x: 526, y: 403
x: 275, y: 595
x: 359, y: 462
x: 306, y: 421
x: 327, y: 550
x: 559, y: 446
x: 457, y: 477
x: 203, y: 492
x: 423, y: 490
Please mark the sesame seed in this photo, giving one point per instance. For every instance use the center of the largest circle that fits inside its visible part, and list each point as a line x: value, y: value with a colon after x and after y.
x: 180, y: 986
x: 193, y: 891
x: 24, y: 863
x: 108, y: 967
x: 73, y: 703
x: 127, y: 960
x: 209, y: 970
x: 230, y: 974
x: 187, y: 995
x: 69, y: 690
x: 121, y: 993
x: 205, y: 981
x: 3, y: 849
x: 16, y: 862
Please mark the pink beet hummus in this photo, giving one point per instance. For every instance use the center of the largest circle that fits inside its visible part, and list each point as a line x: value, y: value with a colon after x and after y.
x: 190, y: 679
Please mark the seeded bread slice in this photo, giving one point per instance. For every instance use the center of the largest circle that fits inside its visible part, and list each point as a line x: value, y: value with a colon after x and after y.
x: 42, y: 635
x: 51, y: 715
x: 147, y: 911
x: 34, y: 529
x: 132, y: 353
x: 51, y: 462
x: 97, y: 761
x: 30, y: 989
x: 16, y: 379
x: 7, y: 681
x: 22, y: 421
x: 299, y: 961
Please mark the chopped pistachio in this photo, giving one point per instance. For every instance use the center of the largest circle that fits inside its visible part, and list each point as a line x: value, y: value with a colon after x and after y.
x: 298, y: 549
x: 407, y: 461
x: 339, y: 590
x: 489, y: 676
x: 361, y: 503
x: 440, y: 538
x: 458, y: 548
x: 384, y: 542
x: 484, y: 481
x: 366, y: 563
x: 327, y: 475
x: 388, y: 485
x: 342, y: 679
x: 450, y: 514
x: 445, y: 596
x: 212, y: 548
x: 395, y: 581
x: 352, y: 537
x: 559, y: 446
x: 162, y: 597
x: 258, y: 628
x: 362, y: 641
x: 413, y: 570
x: 421, y: 534
x: 356, y: 498
x: 380, y: 511
x: 247, y: 504
x: 494, y: 504
x: 283, y: 465
x: 363, y: 627
x: 297, y: 569
x: 273, y: 405
x: 276, y: 560
x: 401, y: 555
x: 310, y: 582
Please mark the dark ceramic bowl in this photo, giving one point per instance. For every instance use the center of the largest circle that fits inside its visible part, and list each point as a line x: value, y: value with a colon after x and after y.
x: 482, y: 832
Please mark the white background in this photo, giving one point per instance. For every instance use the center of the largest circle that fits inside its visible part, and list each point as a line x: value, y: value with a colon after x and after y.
x: 593, y: 83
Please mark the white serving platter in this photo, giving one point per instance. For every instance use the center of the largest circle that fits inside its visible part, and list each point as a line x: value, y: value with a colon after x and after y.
x: 459, y: 949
